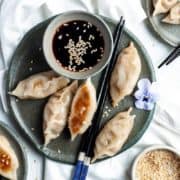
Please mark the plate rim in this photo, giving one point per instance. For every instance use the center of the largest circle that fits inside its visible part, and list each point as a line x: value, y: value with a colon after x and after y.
x: 155, y: 28
x: 40, y: 148
x: 16, y: 138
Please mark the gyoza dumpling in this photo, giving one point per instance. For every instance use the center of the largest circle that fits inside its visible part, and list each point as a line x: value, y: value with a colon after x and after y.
x: 174, y: 15
x: 162, y: 6
x: 125, y: 74
x: 114, y: 134
x: 82, y: 109
x: 56, y: 112
x: 39, y: 85
x: 8, y: 160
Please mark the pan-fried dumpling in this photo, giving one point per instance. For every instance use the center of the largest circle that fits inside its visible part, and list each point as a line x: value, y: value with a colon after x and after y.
x: 162, y: 6
x: 125, y: 74
x: 8, y: 160
x: 82, y: 109
x: 174, y: 15
x: 114, y: 134
x: 39, y: 85
x: 56, y: 112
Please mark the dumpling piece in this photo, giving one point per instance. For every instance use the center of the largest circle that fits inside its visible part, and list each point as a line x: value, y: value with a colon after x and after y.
x: 114, y: 134
x: 163, y: 6
x: 39, y: 85
x: 56, y: 112
x: 8, y: 160
x: 125, y: 74
x: 174, y: 15
x: 82, y: 109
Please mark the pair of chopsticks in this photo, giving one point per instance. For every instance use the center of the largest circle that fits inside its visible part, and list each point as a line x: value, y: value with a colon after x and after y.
x: 86, y: 150
x: 172, y: 56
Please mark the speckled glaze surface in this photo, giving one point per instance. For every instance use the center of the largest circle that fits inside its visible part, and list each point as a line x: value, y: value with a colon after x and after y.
x: 18, y: 149
x: 168, y: 32
x: 28, y: 59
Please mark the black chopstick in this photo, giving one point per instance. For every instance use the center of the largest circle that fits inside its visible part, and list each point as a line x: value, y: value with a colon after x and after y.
x: 81, y: 168
x: 171, y: 57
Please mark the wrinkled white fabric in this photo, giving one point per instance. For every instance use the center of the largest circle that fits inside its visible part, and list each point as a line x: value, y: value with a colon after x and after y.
x: 18, y: 16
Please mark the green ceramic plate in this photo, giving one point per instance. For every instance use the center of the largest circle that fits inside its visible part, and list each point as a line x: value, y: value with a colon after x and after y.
x: 15, y: 143
x: 28, y: 59
x: 168, y: 32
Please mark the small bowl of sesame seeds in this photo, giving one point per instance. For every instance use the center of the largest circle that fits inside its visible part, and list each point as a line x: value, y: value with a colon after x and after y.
x: 157, y: 162
x: 77, y: 44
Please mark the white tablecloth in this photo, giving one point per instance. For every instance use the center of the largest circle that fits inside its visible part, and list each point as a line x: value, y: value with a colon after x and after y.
x: 18, y: 16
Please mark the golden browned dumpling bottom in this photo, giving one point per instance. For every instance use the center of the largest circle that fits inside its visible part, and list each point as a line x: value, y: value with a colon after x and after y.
x: 5, y: 161
x: 81, y: 108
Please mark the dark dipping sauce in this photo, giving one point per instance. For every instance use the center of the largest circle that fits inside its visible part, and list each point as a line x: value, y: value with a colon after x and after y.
x: 78, y: 46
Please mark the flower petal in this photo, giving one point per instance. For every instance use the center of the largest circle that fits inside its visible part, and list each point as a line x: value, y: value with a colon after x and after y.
x: 148, y: 106
x: 139, y: 104
x: 144, y: 105
x: 144, y: 84
x: 153, y: 97
x: 139, y: 94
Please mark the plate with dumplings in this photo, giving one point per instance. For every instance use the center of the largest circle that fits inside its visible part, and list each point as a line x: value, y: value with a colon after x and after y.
x: 164, y: 16
x: 54, y: 111
x: 12, y: 157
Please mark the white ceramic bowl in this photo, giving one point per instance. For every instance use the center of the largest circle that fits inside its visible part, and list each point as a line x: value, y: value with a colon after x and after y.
x: 72, y: 16
x: 149, y: 149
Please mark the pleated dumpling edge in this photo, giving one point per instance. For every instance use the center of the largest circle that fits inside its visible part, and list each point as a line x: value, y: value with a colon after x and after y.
x: 125, y: 74
x: 113, y: 135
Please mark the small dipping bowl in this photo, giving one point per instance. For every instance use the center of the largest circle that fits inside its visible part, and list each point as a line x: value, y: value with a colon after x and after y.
x: 151, y: 149
x: 64, y: 18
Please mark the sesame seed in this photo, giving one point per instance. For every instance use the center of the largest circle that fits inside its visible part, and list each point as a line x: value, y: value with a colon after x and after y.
x: 30, y: 69
x: 66, y: 24
x: 60, y: 37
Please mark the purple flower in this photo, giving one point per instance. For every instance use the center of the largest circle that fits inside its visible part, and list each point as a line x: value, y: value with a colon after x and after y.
x: 146, y: 95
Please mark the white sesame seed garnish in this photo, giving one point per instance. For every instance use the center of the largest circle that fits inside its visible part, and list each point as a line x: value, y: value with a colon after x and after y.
x: 67, y: 35
x: 31, y: 61
x: 30, y: 69
x: 76, y: 51
x: 93, y: 51
x: 60, y: 37
x: 32, y: 129
x: 84, y: 30
x: 91, y: 37
x: 77, y: 28
x: 65, y: 24
x: 40, y: 48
